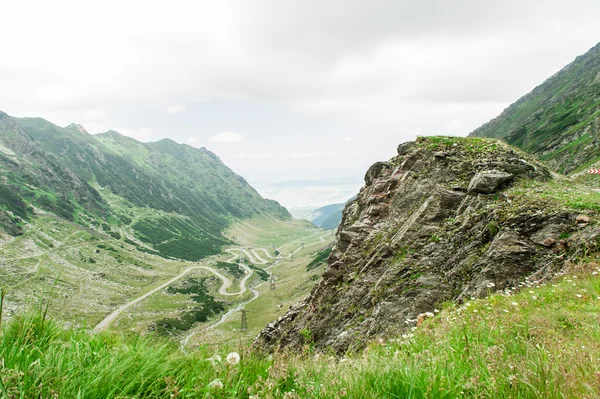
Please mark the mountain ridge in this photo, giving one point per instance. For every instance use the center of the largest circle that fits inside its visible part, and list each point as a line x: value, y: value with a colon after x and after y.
x: 58, y: 169
x: 559, y: 120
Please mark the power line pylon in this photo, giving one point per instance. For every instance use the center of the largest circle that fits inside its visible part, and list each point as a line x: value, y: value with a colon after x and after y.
x: 244, y: 321
x: 272, y: 281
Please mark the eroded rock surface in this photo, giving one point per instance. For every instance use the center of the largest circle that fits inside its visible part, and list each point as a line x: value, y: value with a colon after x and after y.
x: 447, y: 219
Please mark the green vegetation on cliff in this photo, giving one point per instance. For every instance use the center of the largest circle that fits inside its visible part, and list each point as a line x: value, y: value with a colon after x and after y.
x: 559, y: 121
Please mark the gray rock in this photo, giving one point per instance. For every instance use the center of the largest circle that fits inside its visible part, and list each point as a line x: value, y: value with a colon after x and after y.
x: 410, y: 242
x: 488, y: 181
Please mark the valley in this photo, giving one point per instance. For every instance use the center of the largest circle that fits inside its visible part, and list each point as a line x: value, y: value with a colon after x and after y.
x: 464, y: 266
x: 77, y: 269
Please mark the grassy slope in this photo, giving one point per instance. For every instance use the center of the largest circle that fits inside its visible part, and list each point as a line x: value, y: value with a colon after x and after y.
x: 558, y: 120
x: 540, y: 342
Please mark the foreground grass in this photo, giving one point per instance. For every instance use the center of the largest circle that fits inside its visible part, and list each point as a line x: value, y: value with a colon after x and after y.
x: 543, y: 342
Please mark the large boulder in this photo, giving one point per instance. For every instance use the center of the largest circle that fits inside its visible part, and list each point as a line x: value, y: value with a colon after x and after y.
x: 488, y: 181
x: 424, y: 230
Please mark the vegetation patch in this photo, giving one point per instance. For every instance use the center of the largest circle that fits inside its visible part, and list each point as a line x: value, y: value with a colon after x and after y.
x: 206, y: 307
x: 231, y: 268
x: 320, y: 259
x: 542, y: 342
x: 262, y: 274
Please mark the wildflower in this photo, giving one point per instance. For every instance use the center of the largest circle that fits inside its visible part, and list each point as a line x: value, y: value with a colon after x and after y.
x: 436, y: 311
x: 512, y: 378
x: 233, y: 358
x: 534, y: 297
x: 579, y: 296
x: 515, y: 304
x: 215, y: 359
x: 491, y: 285
x: 531, y: 292
x: 468, y: 304
x: 216, y: 384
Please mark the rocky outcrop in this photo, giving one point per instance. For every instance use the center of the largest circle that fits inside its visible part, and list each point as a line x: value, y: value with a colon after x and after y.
x: 446, y: 220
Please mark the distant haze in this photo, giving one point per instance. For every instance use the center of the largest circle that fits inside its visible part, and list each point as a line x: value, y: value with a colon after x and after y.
x: 299, y: 97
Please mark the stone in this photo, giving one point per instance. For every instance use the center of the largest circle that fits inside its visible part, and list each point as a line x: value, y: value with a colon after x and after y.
x: 548, y: 242
x: 488, y: 181
x: 374, y: 171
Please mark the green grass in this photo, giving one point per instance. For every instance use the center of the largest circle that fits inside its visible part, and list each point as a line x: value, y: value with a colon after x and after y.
x: 542, y: 342
x: 319, y: 260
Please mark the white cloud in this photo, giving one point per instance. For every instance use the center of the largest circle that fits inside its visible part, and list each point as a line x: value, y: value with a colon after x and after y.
x: 177, y: 109
x: 226, y: 137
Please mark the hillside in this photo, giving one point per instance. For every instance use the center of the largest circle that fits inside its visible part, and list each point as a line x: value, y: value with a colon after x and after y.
x: 171, y: 199
x: 447, y: 220
x: 559, y: 121
x: 327, y: 217
x: 541, y: 342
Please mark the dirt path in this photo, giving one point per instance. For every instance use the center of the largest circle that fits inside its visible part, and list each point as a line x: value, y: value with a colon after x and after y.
x: 252, y: 256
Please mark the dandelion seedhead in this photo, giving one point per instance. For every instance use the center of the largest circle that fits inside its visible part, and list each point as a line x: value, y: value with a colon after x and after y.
x: 233, y: 358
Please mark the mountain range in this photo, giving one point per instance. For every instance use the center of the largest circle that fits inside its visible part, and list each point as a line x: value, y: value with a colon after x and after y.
x: 169, y: 199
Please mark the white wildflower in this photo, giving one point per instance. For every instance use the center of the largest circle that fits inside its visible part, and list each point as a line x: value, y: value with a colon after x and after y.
x: 233, y: 358
x: 515, y: 304
x: 216, y: 384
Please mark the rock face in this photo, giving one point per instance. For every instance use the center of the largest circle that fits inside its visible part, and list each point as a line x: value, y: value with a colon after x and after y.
x: 447, y: 219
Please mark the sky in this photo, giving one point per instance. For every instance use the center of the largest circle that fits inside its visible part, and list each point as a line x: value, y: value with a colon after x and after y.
x: 299, y: 97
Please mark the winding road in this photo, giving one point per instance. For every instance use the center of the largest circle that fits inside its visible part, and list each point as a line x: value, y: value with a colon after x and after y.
x: 252, y: 256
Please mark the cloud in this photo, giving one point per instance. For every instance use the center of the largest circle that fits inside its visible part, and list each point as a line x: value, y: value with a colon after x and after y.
x: 176, y: 109
x: 294, y: 80
x: 226, y: 137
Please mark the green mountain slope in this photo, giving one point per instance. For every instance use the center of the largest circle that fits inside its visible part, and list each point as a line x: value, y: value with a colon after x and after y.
x: 167, y: 198
x: 559, y: 121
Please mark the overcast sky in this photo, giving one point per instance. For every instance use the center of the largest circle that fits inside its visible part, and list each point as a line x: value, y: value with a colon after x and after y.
x: 299, y: 97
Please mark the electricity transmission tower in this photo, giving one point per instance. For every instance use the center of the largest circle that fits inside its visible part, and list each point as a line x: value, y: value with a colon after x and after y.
x: 272, y: 281
x: 244, y: 321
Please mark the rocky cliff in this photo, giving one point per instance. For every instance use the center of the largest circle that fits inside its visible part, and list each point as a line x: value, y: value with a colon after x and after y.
x: 446, y: 220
